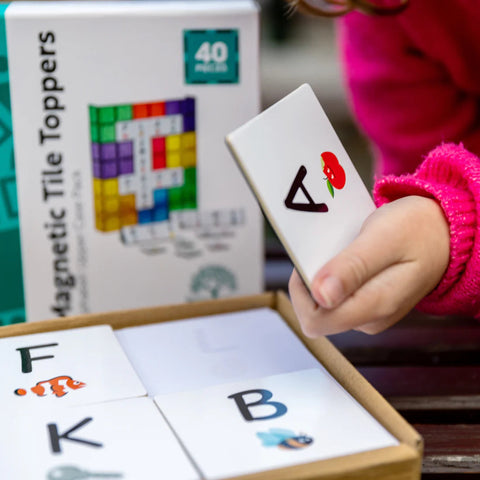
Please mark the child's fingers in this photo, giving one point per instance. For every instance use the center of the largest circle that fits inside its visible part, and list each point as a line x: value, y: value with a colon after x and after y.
x: 397, y: 259
x: 349, y: 305
x: 303, y: 304
x: 296, y: 284
x: 306, y: 309
x: 370, y: 253
x: 300, y: 295
x: 375, y: 306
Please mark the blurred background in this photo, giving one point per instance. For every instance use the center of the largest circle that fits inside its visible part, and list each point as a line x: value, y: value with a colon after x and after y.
x: 295, y: 49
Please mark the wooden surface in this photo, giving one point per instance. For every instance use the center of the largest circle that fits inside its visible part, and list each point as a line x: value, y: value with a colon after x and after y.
x: 429, y: 370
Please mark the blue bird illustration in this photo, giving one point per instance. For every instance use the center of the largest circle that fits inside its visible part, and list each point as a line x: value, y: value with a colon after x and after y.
x: 283, y: 438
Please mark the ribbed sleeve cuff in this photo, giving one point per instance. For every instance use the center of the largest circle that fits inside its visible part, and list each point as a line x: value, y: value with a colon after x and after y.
x: 450, y: 175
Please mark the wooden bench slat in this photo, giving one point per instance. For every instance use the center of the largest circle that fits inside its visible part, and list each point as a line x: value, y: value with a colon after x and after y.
x: 446, y: 342
x: 450, y: 448
x: 362, y: 356
x: 412, y: 336
x: 464, y: 403
x: 424, y: 381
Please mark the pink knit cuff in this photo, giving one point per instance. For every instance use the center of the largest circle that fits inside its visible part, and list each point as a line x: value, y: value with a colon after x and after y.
x: 450, y: 175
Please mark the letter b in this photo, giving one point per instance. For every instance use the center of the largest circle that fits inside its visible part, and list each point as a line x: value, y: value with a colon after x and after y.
x: 265, y: 395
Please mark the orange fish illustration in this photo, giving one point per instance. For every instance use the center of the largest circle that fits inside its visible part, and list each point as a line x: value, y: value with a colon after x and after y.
x: 58, y: 386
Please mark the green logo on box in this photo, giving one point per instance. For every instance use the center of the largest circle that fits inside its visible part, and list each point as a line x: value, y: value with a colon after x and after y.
x: 211, y: 56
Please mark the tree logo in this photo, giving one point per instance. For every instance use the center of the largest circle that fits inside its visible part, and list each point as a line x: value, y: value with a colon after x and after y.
x: 213, y: 281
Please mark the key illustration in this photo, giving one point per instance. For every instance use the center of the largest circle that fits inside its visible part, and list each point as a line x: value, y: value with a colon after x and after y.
x: 70, y: 472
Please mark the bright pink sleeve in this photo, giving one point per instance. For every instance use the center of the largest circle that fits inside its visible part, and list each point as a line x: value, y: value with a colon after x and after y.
x: 451, y: 175
x: 401, y: 90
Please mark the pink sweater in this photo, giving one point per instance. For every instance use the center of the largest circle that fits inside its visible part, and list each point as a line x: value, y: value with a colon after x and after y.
x: 414, y: 83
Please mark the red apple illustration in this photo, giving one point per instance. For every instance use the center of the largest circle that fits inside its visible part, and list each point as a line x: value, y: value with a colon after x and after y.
x: 334, y: 172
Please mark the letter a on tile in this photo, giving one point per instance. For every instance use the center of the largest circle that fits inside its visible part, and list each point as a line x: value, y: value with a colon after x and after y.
x: 297, y: 184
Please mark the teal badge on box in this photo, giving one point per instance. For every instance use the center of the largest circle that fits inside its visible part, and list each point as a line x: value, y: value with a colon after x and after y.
x: 211, y: 56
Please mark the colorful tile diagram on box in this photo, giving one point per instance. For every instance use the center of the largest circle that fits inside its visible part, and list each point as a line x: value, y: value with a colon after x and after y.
x: 144, y: 166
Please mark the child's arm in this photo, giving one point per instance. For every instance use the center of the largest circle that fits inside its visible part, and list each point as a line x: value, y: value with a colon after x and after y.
x: 451, y: 175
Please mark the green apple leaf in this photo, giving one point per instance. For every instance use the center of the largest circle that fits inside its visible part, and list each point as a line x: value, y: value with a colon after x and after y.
x: 330, y: 188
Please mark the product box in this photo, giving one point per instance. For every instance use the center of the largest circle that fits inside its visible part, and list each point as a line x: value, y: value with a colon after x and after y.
x: 400, y: 460
x: 117, y: 190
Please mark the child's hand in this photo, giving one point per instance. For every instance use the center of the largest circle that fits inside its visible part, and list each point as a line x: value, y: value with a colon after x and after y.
x: 399, y: 257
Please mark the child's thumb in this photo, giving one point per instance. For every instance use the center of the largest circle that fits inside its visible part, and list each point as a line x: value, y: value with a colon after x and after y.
x: 364, y: 258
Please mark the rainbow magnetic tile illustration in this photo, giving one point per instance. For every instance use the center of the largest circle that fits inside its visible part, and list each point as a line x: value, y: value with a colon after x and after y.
x: 144, y: 166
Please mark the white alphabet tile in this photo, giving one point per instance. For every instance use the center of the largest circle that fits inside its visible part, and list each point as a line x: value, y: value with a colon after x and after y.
x: 199, y: 352
x: 67, y: 367
x: 303, y: 179
x: 271, y: 422
x: 125, y: 439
